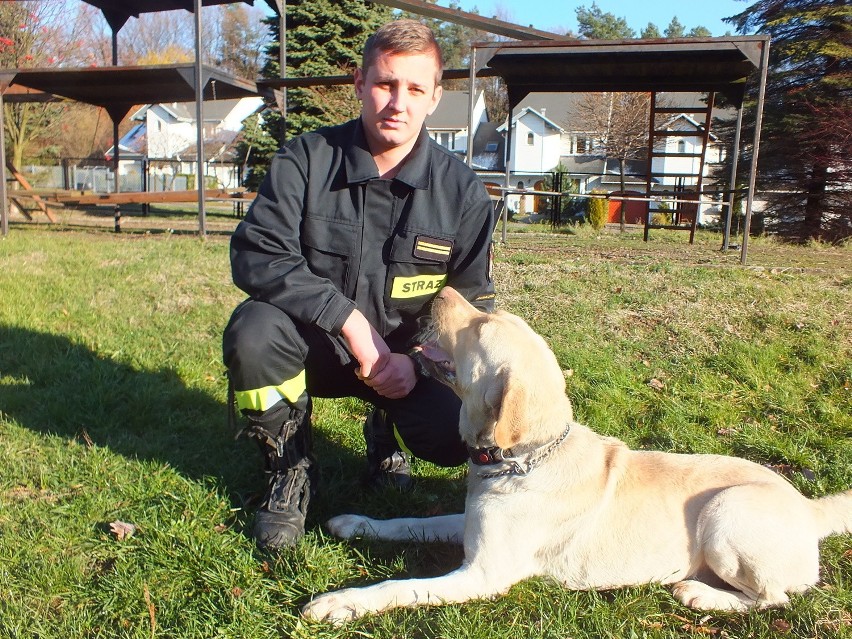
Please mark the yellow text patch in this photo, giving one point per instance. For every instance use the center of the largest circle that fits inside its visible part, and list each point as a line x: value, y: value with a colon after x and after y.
x: 417, y: 286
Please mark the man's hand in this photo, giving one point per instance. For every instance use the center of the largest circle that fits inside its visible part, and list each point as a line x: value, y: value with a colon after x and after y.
x: 396, y: 379
x: 366, y: 344
x: 389, y: 374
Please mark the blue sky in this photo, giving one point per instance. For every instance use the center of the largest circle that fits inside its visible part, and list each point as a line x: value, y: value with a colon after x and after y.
x: 552, y: 15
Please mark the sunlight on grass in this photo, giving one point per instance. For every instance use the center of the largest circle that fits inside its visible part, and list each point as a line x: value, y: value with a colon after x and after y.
x: 112, y: 408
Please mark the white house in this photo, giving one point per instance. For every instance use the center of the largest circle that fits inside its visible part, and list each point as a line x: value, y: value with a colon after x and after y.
x: 165, y: 137
x: 549, y: 130
x: 682, y: 160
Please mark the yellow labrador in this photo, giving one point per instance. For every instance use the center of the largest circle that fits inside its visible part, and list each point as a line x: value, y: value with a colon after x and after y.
x: 548, y: 497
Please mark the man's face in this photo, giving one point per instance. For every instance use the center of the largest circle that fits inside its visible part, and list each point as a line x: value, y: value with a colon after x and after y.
x: 397, y: 93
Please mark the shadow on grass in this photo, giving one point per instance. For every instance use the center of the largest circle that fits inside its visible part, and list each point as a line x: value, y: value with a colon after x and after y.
x: 54, y: 386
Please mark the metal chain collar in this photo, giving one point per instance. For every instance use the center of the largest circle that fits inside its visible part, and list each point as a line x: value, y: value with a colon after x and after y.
x: 532, y: 460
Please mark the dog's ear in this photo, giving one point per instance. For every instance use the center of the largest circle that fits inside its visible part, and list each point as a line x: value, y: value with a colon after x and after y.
x: 507, y: 398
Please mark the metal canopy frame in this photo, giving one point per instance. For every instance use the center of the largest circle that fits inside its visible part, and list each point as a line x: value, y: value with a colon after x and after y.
x: 711, y: 65
x: 117, y: 90
x: 117, y: 102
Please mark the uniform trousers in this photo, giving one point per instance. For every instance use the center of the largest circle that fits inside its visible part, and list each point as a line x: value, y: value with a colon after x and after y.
x: 263, y: 348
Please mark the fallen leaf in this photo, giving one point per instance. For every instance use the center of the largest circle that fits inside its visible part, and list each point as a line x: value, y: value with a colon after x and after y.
x: 121, y: 529
x: 220, y: 528
x: 655, y: 625
x: 781, y: 625
x: 656, y: 384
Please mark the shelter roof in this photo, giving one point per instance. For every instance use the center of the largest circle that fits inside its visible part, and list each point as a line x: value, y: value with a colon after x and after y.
x: 685, y: 64
x: 117, y: 12
x: 452, y: 111
x: 118, y: 89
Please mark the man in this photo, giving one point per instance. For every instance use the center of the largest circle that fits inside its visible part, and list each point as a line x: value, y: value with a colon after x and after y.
x: 354, y: 230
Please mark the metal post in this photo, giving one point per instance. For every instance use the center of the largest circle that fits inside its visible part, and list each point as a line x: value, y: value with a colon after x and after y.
x: 116, y: 188
x: 758, y: 121
x: 116, y: 211
x: 507, y: 156
x: 470, y: 105
x: 732, y: 188
x: 282, y: 65
x: 4, y: 203
x: 199, y: 119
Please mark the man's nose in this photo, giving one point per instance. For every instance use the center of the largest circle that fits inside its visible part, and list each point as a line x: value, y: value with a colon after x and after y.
x: 397, y: 101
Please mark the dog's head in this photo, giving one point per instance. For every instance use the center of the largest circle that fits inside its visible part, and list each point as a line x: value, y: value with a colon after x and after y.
x: 511, y: 386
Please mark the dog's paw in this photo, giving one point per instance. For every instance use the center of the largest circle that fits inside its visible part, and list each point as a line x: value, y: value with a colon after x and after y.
x: 349, y: 526
x: 700, y: 596
x: 333, y: 607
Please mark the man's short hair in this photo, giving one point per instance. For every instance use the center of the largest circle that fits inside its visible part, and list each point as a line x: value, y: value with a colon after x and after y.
x: 403, y: 37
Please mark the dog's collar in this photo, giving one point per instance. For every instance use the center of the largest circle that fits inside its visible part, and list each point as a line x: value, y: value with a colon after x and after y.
x: 513, y: 466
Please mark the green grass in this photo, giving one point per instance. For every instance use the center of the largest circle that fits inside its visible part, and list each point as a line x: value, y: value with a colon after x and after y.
x: 112, y: 407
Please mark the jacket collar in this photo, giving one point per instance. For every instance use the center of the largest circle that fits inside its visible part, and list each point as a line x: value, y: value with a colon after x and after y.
x: 415, y: 171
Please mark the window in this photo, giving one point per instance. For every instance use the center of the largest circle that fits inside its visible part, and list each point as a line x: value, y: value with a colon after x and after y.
x: 491, y: 147
x: 681, y: 146
x: 530, y: 139
x: 582, y: 145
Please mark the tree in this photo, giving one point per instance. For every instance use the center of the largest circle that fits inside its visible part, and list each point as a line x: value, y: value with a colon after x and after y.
x: 595, y: 24
x: 805, y: 168
x: 32, y: 36
x: 651, y: 32
x: 242, y: 39
x: 619, y: 126
x: 675, y: 29
x: 324, y: 38
x: 699, y: 32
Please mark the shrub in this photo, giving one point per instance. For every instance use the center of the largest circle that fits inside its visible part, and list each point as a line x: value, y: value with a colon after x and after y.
x: 661, y: 218
x: 598, y: 210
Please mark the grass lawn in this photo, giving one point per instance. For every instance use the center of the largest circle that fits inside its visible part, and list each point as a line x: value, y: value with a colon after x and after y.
x: 112, y: 409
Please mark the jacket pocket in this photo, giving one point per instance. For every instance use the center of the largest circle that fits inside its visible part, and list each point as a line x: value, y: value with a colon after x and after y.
x: 417, y: 269
x: 329, y: 247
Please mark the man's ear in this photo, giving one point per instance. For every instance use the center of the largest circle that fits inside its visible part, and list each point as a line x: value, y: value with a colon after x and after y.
x: 436, y: 97
x: 358, y: 82
x: 506, y: 397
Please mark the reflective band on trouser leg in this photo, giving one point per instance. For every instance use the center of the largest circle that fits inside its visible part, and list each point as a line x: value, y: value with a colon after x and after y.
x: 398, y: 437
x: 265, y: 398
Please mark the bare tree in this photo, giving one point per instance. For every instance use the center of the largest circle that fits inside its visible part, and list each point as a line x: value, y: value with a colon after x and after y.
x: 28, y: 38
x: 242, y: 40
x: 618, y: 123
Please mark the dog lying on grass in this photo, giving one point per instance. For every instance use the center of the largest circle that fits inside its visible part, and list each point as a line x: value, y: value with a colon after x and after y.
x: 547, y: 497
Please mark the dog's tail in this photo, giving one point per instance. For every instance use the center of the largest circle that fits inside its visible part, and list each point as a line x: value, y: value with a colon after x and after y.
x: 834, y: 513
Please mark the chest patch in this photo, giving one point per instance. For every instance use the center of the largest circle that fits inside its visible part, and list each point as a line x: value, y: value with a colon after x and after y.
x: 432, y: 248
x: 417, y: 286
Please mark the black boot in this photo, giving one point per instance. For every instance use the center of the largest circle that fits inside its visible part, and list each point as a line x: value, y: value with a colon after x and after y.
x: 387, y: 465
x: 285, y: 441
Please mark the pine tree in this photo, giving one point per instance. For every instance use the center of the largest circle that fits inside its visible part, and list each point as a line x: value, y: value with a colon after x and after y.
x: 804, y: 165
x: 594, y: 23
x: 324, y: 38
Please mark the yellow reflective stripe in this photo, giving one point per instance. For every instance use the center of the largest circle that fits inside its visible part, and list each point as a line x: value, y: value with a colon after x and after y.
x: 401, y: 443
x: 265, y: 398
x: 417, y: 285
x: 433, y: 248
